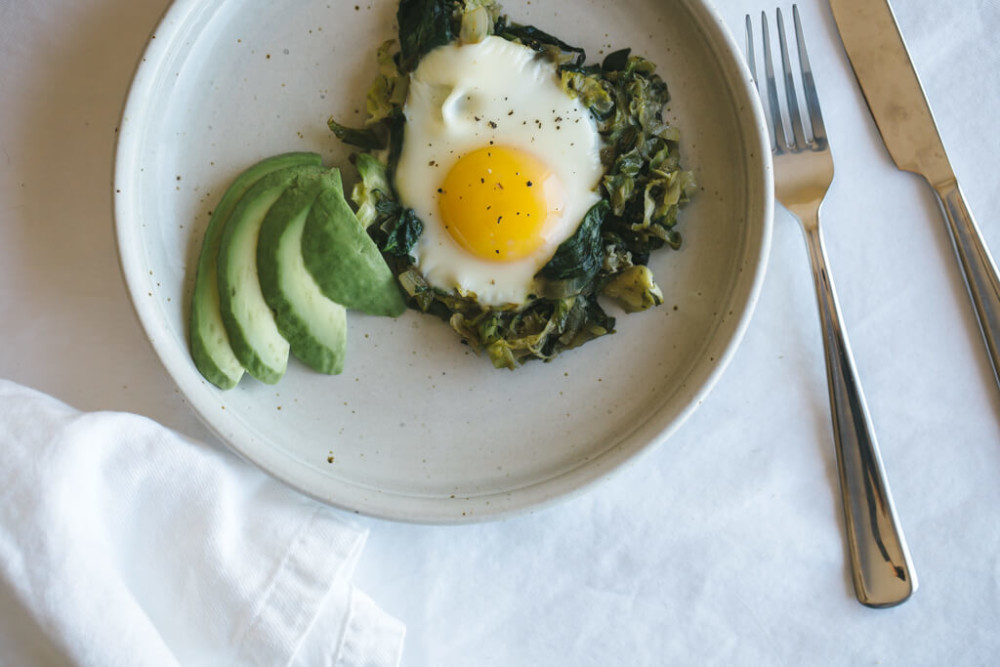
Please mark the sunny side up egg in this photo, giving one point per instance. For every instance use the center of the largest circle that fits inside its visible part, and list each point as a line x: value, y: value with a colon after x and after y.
x: 499, y: 164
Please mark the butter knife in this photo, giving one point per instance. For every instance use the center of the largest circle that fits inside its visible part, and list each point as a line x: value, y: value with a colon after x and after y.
x: 896, y: 99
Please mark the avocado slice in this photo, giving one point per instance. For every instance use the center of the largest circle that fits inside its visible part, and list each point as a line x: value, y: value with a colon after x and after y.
x: 253, y: 333
x: 213, y: 356
x: 344, y: 260
x: 314, y: 326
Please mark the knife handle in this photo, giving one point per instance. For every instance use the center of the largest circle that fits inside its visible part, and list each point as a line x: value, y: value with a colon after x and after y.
x: 978, y: 267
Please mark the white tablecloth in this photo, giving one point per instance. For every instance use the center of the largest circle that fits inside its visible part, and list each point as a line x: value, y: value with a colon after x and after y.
x: 724, y: 545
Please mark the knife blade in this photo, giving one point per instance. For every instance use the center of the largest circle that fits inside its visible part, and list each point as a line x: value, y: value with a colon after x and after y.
x: 897, y: 102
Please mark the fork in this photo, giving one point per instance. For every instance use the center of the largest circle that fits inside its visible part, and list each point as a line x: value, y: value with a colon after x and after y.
x: 803, y: 171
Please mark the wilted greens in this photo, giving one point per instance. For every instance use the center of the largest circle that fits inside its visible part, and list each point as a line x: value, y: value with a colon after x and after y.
x: 642, y: 191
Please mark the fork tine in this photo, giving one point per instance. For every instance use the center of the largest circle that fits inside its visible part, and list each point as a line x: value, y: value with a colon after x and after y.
x: 751, y: 55
x: 808, y: 83
x: 752, y: 62
x: 791, y: 98
x: 780, y: 141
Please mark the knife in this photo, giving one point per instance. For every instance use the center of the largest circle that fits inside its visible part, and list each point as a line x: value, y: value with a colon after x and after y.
x: 896, y: 99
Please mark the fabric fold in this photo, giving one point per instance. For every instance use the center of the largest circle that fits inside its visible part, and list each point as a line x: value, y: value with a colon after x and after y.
x: 122, y: 542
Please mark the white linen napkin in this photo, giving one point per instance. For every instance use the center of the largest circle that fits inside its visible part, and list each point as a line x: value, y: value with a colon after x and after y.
x: 124, y: 543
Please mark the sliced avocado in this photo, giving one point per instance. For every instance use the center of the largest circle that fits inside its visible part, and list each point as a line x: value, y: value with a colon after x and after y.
x: 249, y: 322
x: 210, y: 348
x: 344, y: 260
x: 314, y: 326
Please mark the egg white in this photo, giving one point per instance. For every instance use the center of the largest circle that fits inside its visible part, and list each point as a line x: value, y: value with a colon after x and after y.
x: 464, y: 97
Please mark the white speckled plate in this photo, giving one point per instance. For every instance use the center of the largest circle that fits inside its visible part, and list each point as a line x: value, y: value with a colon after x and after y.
x: 418, y: 428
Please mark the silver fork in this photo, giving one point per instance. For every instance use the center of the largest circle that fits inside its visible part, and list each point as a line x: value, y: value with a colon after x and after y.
x: 803, y: 170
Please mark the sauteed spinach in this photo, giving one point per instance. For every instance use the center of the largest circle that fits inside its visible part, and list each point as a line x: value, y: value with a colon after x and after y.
x: 642, y: 191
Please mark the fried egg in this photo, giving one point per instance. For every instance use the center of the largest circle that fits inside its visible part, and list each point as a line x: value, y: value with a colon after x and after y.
x: 499, y: 164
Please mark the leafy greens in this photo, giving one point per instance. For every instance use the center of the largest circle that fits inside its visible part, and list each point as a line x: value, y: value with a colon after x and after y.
x: 642, y: 191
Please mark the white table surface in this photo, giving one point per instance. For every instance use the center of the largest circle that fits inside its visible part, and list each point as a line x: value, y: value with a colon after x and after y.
x: 722, y: 546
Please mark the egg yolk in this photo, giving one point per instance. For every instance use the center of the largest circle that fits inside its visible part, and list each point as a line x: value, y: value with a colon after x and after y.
x: 500, y: 203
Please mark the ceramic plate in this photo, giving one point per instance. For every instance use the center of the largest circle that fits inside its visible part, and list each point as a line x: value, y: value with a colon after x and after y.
x: 419, y: 428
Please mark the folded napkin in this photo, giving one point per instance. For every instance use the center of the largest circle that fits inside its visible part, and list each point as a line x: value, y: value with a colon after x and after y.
x: 124, y: 543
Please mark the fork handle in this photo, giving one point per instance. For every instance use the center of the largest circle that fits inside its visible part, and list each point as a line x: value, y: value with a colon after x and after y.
x: 880, y: 560
x: 978, y: 268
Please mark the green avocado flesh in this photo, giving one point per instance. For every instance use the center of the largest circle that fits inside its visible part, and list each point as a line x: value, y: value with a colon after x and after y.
x: 253, y: 333
x: 314, y: 326
x: 344, y: 260
x: 283, y: 259
x: 210, y: 348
